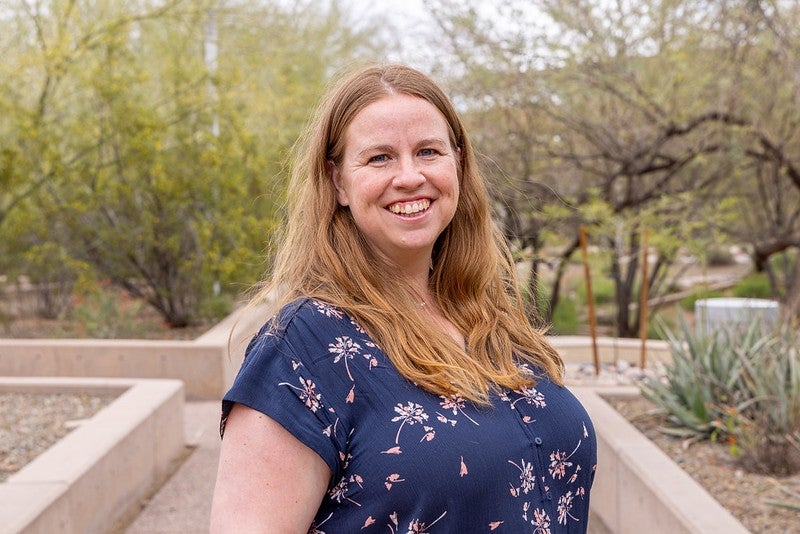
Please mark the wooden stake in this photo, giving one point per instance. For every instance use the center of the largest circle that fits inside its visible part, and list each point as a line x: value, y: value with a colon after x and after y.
x: 643, y: 301
x: 590, y: 299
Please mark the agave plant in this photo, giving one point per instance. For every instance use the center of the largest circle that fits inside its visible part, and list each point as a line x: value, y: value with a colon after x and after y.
x: 770, y: 441
x: 702, y: 392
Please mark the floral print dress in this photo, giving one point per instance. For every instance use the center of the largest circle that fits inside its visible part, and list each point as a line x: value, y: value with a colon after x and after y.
x: 408, y: 461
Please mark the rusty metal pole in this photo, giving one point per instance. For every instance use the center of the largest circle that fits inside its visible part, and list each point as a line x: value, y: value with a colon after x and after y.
x: 643, y: 301
x: 590, y: 299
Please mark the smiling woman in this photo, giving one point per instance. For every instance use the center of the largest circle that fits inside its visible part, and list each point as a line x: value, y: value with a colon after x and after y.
x: 399, y: 384
x: 398, y: 176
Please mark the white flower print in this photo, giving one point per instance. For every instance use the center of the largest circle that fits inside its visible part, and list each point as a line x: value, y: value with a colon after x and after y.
x: 358, y: 327
x: 525, y: 369
x: 308, y: 394
x: 415, y: 526
x: 455, y: 403
x: 540, y: 522
x: 339, y: 492
x: 564, y: 507
x: 527, y: 478
x: 344, y: 349
x: 530, y: 395
x: 559, y: 463
x: 410, y: 414
x: 327, y: 310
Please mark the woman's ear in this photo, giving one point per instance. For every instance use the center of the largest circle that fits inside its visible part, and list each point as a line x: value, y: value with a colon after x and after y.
x: 336, y: 178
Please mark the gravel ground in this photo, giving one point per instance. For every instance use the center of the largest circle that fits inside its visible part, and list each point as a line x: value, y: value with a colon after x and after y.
x: 31, y: 422
x: 761, y: 503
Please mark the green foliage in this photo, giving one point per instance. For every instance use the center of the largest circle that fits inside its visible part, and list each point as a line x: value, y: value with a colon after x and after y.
x: 769, y: 436
x: 738, y: 385
x: 702, y: 382
x: 566, y: 319
x: 687, y: 303
x: 102, y: 314
x: 126, y: 150
x: 602, y: 290
x: 755, y: 285
x: 215, y: 307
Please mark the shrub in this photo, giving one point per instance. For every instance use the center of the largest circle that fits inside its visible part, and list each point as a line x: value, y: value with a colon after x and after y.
x: 687, y: 303
x: 566, y: 320
x: 770, y: 436
x: 753, y: 286
x: 215, y: 308
x: 741, y: 385
x: 103, y: 314
x: 702, y: 386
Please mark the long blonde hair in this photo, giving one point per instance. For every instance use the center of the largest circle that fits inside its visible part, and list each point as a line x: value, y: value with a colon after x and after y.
x: 323, y: 255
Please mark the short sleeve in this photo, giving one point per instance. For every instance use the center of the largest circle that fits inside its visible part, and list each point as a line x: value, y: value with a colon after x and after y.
x: 275, y: 380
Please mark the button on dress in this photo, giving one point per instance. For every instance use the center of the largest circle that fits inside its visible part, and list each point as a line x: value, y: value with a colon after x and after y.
x: 408, y: 461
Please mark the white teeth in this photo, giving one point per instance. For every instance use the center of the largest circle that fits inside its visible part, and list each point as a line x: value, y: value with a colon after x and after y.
x: 409, y: 209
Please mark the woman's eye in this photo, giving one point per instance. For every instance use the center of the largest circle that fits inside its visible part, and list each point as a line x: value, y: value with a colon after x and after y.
x: 380, y: 158
x: 428, y: 152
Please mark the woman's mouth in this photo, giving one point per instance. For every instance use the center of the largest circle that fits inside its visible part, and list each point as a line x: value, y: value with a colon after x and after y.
x: 410, y: 208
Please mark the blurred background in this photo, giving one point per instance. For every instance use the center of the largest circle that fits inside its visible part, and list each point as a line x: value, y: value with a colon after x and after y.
x: 143, y: 148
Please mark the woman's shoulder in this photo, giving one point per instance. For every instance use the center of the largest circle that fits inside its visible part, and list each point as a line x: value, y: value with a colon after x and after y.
x: 301, y: 313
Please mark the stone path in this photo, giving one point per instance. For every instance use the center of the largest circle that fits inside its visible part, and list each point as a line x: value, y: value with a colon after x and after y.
x: 182, y: 505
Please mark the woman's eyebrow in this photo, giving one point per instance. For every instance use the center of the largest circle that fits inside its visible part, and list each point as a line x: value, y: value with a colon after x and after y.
x: 375, y: 148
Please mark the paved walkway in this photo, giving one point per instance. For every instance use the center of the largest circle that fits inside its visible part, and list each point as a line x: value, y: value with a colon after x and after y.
x: 182, y: 505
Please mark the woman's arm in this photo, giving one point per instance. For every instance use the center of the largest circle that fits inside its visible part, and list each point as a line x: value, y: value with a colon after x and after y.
x: 267, y: 481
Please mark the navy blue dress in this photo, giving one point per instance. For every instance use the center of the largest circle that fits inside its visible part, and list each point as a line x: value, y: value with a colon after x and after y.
x: 408, y: 461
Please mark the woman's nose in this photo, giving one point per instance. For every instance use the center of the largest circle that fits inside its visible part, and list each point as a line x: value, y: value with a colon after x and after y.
x: 409, y: 174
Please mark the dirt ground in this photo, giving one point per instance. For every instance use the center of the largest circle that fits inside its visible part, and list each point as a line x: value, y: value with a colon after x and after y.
x: 755, y: 500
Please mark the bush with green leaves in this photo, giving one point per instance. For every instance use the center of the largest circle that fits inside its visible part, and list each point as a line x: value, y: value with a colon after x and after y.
x: 687, y: 303
x: 702, y: 386
x: 102, y: 314
x: 755, y: 286
x: 769, y: 435
x: 741, y: 385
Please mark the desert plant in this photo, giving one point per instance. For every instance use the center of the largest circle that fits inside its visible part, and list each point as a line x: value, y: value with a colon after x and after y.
x: 769, y: 439
x: 102, y: 314
x: 738, y: 384
x: 753, y: 286
x: 687, y: 303
x: 701, y: 391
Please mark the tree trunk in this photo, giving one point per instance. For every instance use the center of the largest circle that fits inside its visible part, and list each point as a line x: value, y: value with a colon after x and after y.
x: 792, y: 300
x: 555, y: 292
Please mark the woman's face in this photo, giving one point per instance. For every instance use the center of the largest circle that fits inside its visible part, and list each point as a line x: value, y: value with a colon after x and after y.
x: 399, y: 177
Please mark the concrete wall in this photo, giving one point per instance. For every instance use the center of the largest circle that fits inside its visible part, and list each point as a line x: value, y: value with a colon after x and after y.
x: 579, y: 349
x: 638, y: 488
x: 206, y: 365
x: 99, y: 471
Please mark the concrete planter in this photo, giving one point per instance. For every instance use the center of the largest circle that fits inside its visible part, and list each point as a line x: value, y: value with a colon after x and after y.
x: 99, y: 471
x: 638, y: 488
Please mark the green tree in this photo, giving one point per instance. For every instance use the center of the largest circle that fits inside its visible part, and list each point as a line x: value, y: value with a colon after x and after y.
x: 182, y: 117
x: 624, y: 116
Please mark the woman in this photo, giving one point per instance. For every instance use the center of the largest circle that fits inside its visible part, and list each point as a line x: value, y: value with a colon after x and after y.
x: 399, y: 387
